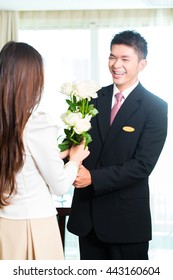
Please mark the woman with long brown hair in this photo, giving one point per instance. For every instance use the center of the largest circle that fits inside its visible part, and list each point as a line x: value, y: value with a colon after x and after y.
x: 31, y: 167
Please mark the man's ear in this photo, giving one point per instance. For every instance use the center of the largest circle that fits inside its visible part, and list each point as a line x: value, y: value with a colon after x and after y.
x: 142, y: 64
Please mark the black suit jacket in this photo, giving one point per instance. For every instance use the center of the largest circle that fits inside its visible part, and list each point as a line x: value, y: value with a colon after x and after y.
x: 122, y: 158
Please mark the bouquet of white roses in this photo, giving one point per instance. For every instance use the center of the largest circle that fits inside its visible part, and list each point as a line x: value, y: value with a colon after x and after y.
x: 79, y: 113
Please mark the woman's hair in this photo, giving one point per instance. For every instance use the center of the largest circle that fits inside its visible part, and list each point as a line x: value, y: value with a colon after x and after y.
x: 21, y: 85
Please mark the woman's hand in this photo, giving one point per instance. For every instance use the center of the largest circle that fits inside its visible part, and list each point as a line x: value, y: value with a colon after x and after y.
x: 78, y: 153
x: 64, y: 154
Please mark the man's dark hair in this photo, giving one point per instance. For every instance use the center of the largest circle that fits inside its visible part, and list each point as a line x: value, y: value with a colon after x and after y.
x: 133, y: 39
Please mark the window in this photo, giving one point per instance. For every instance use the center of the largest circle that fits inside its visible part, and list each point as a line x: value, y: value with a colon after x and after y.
x: 66, y: 55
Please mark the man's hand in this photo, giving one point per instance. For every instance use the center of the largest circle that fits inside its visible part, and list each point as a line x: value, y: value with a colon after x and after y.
x: 83, y: 178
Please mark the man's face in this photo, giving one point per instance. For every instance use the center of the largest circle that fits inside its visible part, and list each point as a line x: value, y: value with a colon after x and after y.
x: 124, y: 65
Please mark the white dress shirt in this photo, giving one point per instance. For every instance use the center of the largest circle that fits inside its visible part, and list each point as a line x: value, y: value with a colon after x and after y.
x: 125, y: 93
x: 42, y: 174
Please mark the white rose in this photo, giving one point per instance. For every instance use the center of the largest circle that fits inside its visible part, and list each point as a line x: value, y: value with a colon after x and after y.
x: 88, y: 117
x: 70, y: 118
x: 82, y: 125
x: 87, y: 89
x: 67, y: 88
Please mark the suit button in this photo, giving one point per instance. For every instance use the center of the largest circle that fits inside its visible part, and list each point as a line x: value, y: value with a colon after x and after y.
x: 101, y: 164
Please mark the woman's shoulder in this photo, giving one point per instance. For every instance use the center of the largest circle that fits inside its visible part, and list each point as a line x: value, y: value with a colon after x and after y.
x: 41, y: 119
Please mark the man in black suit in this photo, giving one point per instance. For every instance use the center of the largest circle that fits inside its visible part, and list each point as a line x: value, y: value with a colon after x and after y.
x: 110, y: 209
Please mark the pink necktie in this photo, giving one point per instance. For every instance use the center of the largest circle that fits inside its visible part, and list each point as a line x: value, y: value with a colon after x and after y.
x: 116, y: 106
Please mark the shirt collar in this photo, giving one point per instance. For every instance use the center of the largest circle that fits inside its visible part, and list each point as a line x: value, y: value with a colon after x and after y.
x: 127, y: 91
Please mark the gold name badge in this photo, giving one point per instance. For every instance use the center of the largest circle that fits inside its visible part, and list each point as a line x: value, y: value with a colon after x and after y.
x: 128, y: 129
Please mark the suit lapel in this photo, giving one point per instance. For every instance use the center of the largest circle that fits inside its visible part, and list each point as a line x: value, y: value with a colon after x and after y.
x: 128, y: 108
x: 104, y: 108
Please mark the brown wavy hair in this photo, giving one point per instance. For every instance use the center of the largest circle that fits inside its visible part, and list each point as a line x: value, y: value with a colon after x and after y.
x: 21, y: 86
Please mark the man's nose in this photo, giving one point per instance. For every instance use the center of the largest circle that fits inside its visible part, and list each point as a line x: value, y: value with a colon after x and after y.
x: 117, y: 63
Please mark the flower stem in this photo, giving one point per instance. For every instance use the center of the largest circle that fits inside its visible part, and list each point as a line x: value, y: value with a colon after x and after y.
x: 84, y: 107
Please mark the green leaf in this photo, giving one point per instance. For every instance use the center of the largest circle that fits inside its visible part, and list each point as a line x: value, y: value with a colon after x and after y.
x: 69, y: 102
x: 92, y: 111
x: 65, y: 145
x: 74, y: 99
x: 72, y: 107
x: 68, y: 132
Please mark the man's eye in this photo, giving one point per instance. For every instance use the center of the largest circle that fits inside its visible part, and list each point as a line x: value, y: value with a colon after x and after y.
x: 112, y: 57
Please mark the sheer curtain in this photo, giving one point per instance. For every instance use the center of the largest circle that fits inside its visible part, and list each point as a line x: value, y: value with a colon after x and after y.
x: 8, y: 27
x: 77, y: 47
x: 98, y: 18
